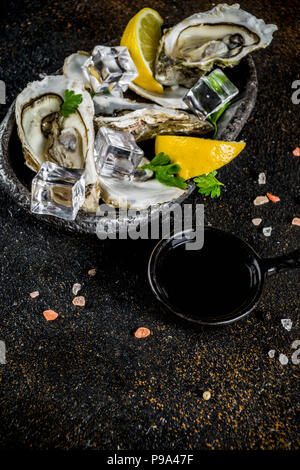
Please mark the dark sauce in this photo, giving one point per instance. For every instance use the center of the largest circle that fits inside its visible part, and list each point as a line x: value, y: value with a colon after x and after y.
x: 210, y: 283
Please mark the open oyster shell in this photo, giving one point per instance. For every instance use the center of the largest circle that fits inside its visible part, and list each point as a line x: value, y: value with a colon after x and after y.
x: 137, y: 195
x: 171, y: 98
x: 48, y: 136
x: 222, y: 36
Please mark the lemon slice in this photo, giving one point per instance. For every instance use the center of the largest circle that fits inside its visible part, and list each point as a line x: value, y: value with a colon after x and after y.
x: 197, y: 156
x: 141, y: 37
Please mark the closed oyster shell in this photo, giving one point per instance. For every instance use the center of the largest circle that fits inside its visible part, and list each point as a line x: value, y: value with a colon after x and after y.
x: 222, y: 36
x: 149, y: 122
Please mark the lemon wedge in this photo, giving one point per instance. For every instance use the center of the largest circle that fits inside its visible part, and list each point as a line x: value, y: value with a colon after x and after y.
x: 197, y: 156
x: 141, y: 37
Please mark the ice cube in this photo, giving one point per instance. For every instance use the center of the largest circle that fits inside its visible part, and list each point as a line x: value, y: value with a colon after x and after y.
x: 109, y: 67
x: 210, y: 93
x: 57, y: 191
x: 116, y: 153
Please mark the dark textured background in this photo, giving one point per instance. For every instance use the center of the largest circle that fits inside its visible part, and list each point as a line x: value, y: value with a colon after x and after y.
x: 84, y: 381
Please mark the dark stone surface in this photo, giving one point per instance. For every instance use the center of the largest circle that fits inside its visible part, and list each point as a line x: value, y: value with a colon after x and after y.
x: 84, y: 381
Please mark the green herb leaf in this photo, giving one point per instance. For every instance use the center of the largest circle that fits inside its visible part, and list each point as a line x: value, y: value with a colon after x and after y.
x: 160, y: 159
x: 165, y: 172
x: 71, y: 103
x: 92, y: 93
x: 213, y: 118
x: 167, y: 177
x: 209, y: 185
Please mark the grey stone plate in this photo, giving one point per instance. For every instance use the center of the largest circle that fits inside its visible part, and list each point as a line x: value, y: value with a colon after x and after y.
x: 16, y: 178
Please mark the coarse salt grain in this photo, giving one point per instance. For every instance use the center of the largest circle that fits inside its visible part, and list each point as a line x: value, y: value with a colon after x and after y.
x: 273, y: 198
x: 142, y: 332
x: 296, y: 152
x: 34, y: 294
x: 296, y: 221
x: 79, y: 301
x: 206, y: 395
x: 283, y: 359
x: 76, y: 288
x: 262, y: 178
x: 257, y: 221
x: 287, y: 323
x: 271, y: 353
x: 259, y: 200
x: 50, y: 315
x: 267, y: 231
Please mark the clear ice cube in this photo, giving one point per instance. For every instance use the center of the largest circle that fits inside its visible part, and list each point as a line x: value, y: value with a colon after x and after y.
x: 210, y: 93
x: 116, y: 153
x: 109, y: 67
x: 57, y: 191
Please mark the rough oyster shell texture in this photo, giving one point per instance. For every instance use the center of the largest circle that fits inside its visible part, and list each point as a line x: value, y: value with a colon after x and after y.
x: 221, y: 36
x: 149, y: 122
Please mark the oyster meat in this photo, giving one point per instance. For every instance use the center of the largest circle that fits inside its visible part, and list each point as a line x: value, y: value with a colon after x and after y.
x: 149, y: 122
x: 46, y: 135
x: 222, y: 36
x: 138, y: 195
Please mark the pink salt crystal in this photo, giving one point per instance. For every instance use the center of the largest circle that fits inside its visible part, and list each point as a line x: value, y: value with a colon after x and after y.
x: 76, y: 288
x: 50, y: 315
x: 79, y: 301
x: 296, y: 221
x: 273, y: 198
x: 296, y: 152
x: 34, y: 294
x: 142, y: 332
x: 92, y: 272
x: 259, y: 200
x: 257, y: 221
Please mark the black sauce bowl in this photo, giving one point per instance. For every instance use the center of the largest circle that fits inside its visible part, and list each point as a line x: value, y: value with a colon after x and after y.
x: 259, y: 269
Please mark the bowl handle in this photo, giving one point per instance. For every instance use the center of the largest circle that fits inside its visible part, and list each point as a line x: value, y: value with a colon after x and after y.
x: 281, y: 263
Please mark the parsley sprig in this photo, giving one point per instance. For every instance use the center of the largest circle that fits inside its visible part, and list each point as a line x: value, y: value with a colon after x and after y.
x: 213, y: 118
x: 165, y: 171
x: 209, y: 185
x: 70, y: 103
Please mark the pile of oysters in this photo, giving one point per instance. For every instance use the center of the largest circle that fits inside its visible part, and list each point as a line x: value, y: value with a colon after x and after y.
x: 221, y: 36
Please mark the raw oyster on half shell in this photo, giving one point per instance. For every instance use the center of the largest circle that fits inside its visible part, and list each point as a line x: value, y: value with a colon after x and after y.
x: 137, y: 195
x: 46, y: 135
x: 170, y: 98
x: 221, y: 36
